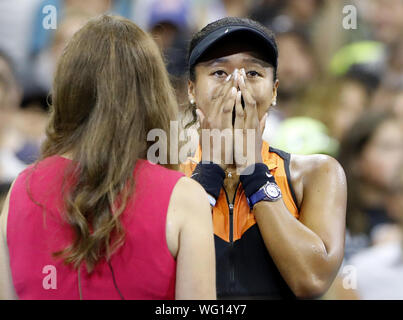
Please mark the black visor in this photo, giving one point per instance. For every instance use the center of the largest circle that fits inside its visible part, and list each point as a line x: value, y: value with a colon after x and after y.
x: 266, y: 44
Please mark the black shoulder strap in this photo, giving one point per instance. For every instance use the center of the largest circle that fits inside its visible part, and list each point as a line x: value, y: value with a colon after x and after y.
x: 286, y: 157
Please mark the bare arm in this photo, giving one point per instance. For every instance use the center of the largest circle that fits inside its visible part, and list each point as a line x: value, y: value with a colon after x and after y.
x: 6, y: 284
x: 195, y: 273
x: 308, y: 252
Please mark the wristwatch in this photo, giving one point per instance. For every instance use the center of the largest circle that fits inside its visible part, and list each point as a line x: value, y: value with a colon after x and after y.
x: 269, y: 192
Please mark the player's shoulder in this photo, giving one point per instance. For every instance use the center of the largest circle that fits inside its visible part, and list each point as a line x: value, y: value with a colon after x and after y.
x: 315, y: 165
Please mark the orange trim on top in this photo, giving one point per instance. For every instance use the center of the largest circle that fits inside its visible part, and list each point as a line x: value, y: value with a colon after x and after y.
x: 243, y: 217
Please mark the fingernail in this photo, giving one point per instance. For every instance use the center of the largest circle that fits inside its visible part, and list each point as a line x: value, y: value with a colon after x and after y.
x: 233, y: 90
x: 228, y: 78
x: 242, y: 79
x: 236, y: 74
x: 243, y: 72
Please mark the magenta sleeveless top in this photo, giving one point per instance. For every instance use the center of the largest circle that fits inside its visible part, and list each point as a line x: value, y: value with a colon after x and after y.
x: 142, y: 268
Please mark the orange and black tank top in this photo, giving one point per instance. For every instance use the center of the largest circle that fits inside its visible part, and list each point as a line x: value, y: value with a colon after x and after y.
x: 244, y: 266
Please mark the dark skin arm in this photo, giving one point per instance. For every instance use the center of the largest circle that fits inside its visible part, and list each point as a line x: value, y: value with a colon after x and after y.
x: 308, y: 252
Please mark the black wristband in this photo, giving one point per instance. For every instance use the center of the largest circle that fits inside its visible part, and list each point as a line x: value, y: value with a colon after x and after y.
x: 211, y: 176
x: 253, y: 179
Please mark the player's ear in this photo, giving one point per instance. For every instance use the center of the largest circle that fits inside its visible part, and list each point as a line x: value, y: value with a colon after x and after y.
x: 274, y: 93
x: 191, y: 92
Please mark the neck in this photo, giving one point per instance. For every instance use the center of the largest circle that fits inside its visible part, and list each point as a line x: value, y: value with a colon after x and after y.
x: 230, y: 182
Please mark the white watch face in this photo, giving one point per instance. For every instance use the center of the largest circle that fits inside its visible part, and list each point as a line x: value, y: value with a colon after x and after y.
x: 272, y: 190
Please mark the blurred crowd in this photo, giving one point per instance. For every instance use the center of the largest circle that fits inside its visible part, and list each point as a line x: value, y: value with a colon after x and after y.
x: 340, y: 93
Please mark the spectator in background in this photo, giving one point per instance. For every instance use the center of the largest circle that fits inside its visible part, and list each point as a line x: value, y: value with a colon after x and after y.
x: 397, y: 106
x: 371, y: 154
x: 337, y: 102
x: 385, y: 18
x: 20, y: 130
x: 168, y: 23
x: 389, y: 99
x: 45, y: 62
x: 297, y: 15
x: 354, y: 74
x: 379, y: 269
x: 16, y: 19
x: 206, y: 11
x: 394, y: 202
x: 45, y: 42
x: 349, y: 104
x: 10, y: 99
x: 304, y: 135
x: 264, y: 11
x: 10, y: 90
x: 389, y: 96
x: 297, y: 70
x: 42, y: 37
x: 4, y: 187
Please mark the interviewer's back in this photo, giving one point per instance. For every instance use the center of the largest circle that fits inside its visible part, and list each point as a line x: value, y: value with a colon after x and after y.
x: 142, y: 268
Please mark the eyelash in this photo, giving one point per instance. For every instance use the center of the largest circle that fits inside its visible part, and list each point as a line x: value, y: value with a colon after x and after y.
x: 219, y: 76
x: 257, y: 74
x: 224, y: 74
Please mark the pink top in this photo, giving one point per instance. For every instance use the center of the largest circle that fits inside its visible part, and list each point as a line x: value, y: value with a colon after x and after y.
x: 143, y: 268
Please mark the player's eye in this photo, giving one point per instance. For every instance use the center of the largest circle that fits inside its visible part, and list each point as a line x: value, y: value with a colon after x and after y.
x: 252, y: 74
x: 220, y: 74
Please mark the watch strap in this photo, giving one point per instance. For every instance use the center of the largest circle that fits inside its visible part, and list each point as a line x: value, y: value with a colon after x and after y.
x: 262, y: 195
x: 256, y: 197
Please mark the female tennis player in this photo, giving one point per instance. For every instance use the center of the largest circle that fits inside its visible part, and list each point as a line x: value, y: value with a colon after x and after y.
x: 279, y: 219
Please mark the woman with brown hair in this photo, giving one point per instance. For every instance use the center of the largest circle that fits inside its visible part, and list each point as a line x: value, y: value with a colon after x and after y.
x: 92, y: 219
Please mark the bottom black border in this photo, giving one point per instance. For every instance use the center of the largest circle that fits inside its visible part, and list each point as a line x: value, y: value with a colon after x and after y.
x: 218, y: 309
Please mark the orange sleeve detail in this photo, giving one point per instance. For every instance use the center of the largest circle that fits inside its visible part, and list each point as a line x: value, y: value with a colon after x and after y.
x: 221, y: 217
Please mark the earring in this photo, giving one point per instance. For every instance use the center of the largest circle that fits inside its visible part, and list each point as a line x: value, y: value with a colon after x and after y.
x: 192, y: 102
x: 274, y: 103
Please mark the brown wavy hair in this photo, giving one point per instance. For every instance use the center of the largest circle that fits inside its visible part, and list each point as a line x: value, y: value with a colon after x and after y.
x: 110, y: 88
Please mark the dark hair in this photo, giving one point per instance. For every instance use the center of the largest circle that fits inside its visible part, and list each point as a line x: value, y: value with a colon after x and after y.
x: 356, y: 139
x: 199, y: 36
x: 4, y: 188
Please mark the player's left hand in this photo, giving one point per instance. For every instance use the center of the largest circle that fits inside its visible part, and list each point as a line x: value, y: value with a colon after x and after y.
x: 248, y: 129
